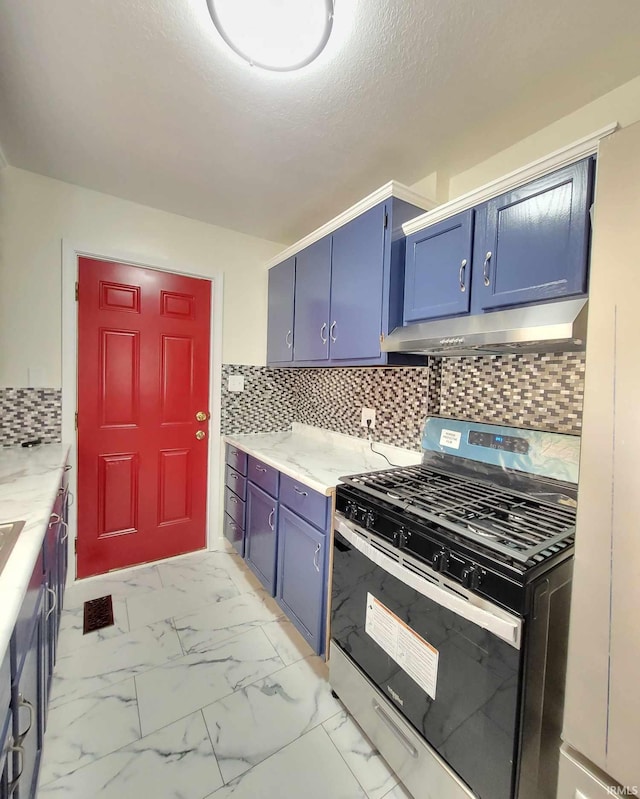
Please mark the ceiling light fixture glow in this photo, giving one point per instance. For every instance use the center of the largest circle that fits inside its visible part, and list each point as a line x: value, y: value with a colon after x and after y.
x: 279, y: 35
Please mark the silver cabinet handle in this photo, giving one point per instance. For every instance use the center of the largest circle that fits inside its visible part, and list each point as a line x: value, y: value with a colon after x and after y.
x: 315, y: 558
x: 14, y: 782
x: 67, y: 467
x: 323, y: 330
x: 390, y: 724
x: 485, y: 268
x: 25, y: 703
x: 234, y: 500
x: 260, y: 468
x: 66, y: 532
x: 301, y: 493
x: 233, y: 476
x: 463, y: 268
x: 53, y: 604
x: 270, y: 522
x: 287, y: 339
x: 55, y: 519
x: 331, y: 329
x: 70, y: 498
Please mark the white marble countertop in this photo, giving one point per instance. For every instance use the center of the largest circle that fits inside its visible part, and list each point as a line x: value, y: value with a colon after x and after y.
x: 319, y: 458
x: 29, y: 481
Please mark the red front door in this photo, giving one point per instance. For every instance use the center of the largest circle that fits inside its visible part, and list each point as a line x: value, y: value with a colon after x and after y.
x: 143, y: 375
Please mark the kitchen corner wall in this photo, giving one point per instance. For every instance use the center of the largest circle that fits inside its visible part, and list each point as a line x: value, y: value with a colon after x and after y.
x: 539, y: 391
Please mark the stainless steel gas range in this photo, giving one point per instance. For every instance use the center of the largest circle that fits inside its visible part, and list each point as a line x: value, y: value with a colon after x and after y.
x: 450, y: 608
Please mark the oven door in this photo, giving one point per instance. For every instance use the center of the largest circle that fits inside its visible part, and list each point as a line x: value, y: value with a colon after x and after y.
x: 450, y: 667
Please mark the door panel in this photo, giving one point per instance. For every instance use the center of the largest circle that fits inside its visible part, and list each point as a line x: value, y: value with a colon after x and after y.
x: 143, y: 374
x: 536, y: 241
x: 280, y: 337
x: 313, y: 286
x: 357, y: 266
x: 438, y: 269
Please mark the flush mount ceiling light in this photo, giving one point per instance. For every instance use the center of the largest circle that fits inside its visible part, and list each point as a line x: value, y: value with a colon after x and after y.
x: 280, y: 35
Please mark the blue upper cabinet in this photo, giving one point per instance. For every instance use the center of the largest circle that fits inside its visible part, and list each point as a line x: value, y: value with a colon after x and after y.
x: 349, y: 287
x: 357, y: 287
x: 438, y: 269
x: 282, y: 280
x: 313, y: 286
x: 533, y: 241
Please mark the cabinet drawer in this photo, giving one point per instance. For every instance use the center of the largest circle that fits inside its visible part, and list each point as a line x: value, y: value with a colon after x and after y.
x: 304, y: 501
x: 264, y: 476
x: 234, y: 534
x: 234, y: 506
x: 237, y: 459
x: 236, y: 482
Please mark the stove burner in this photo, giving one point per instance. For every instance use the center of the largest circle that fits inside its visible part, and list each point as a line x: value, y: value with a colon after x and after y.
x: 510, y: 521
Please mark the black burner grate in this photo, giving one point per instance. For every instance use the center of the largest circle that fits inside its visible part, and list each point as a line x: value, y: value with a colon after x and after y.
x: 98, y: 613
x: 502, y: 519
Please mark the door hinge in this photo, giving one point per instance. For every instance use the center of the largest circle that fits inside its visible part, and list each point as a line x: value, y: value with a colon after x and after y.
x: 77, y: 290
x: 75, y: 546
x: 76, y: 420
x: 386, y: 224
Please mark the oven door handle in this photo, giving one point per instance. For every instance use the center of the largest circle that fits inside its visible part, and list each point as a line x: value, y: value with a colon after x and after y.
x: 394, y: 729
x: 490, y: 618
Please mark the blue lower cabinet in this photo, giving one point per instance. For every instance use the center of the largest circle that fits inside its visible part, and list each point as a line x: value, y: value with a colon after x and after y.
x: 234, y: 533
x: 302, y: 575
x: 261, y: 536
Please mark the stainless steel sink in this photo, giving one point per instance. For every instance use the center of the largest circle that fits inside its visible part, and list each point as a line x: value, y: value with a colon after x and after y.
x: 9, y: 532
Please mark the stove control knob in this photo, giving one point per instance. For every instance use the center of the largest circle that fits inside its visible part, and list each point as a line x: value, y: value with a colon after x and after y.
x: 370, y: 518
x: 351, y: 510
x: 440, y: 560
x: 472, y: 577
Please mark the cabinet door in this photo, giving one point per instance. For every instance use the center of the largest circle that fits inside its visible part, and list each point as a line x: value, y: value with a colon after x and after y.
x: 27, y: 715
x: 536, y: 241
x: 438, y: 269
x: 357, y: 267
x: 261, y: 537
x: 313, y: 287
x: 280, y: 312
x: 301, y: 575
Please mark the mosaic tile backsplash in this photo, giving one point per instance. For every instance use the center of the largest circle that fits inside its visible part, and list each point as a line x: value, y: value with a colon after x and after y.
x: 28, y: 413
x: 539, y: 391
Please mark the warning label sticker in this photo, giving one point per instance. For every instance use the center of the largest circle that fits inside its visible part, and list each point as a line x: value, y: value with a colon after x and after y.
x: 410, y: 651
x: 450, y: 438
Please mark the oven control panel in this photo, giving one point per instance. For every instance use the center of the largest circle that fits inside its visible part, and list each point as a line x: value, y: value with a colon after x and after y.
x: 479, y: 438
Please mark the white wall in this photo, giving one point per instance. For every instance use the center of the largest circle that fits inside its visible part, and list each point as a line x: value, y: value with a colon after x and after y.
x: 621, y: 105
x: 36, y: 213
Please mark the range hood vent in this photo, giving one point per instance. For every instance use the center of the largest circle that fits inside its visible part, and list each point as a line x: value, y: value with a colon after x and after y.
x: 551, y: 327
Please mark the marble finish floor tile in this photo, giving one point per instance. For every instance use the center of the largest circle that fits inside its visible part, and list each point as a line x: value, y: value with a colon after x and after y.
x: 309, y: 768
x: 176, y: 762
x: 86, y: 729
x: 287, y: 641
x: 217, y: 622
x: 196, y: 568
x: 71, y: 636
x: 182, y: 686
x: 129, y: 582
x: 398, y: 793
x: 108, y: 662
x: 363, y: 759
x: 256, y: 721
x: 179, y: 599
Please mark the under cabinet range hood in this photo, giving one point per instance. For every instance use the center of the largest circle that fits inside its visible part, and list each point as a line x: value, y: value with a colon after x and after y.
x: 550, y: 327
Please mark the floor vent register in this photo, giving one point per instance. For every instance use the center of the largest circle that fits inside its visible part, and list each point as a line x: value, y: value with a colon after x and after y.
x: 98, y: 613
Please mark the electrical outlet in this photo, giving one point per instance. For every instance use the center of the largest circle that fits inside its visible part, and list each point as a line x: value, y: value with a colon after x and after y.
x: 368, y: 414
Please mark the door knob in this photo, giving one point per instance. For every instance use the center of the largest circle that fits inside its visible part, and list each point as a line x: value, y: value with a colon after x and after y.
x: 200, y: 435
x: 201, y: 416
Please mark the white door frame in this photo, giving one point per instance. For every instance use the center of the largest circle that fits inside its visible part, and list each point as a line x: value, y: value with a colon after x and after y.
x: 71, y: 251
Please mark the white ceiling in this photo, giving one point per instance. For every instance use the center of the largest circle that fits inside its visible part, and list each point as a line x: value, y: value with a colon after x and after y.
x: 141, y: 99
